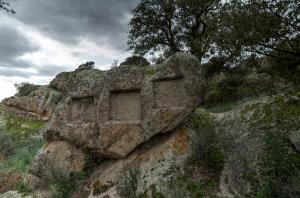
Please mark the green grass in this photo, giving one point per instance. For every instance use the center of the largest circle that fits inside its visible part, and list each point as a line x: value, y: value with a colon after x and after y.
x: 22, y: 127
x: 227, y: 106
x: 16, y: 145
x: 205, y: 150
x: 22, y: 188
x: 23, y: 153
x: 64, y: 187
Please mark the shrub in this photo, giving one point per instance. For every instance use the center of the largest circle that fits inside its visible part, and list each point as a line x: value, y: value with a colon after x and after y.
x: 280, y: 168
x: 205, y: 150
x: 5, y: 143
x: 180, y: 187
x: 22, y: 188
x: 129, y: 183
x: 61, y: 190
x: 23, y: 153
x: 135, y: 60
x: 22, y: 128
x: 24, y: 89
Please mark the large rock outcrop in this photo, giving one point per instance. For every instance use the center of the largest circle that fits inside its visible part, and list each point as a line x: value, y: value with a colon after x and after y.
x: 124, y: 109
x: 57, y: 160
x: 80, y: 82
x: 260, y: 140
x: 40, y: 104
x: 129, y: 105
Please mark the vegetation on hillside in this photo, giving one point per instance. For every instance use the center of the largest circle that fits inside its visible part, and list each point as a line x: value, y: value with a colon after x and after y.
x: 17, y: 149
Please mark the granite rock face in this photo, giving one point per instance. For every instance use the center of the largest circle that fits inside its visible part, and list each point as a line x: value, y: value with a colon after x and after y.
x: 129, y: 105
x: 80, y: 82
x: 56, y: 161
x: 41, y: 103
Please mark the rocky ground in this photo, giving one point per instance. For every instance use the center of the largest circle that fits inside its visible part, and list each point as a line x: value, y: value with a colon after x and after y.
x: 251, y: 150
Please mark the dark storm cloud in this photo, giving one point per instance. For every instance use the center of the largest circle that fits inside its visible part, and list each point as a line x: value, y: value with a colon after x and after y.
x: 13, y: 45
x: 67, y: 21
x: 102, y: 21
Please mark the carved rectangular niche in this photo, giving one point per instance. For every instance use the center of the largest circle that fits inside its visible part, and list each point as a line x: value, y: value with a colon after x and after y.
x: 82, y: 109
x: 169, y: 93
x: 125, y: 106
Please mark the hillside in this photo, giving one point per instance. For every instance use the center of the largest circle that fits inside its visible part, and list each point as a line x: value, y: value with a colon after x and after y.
x: 155, y: 131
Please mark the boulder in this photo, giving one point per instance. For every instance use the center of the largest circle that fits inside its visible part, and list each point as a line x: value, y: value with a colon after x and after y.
x: 259, y: 138
x: 14, y: 194
x: 82, y: 81
x: 129, y: 105
x: 41, y: 102
x: 56, y: 161
x: 143, y: 169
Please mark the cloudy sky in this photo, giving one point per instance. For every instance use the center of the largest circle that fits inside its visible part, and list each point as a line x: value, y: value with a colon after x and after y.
x: 46, y: 37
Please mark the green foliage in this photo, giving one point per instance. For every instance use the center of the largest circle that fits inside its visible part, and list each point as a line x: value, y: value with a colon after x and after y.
x: 181, y: 187
x: 135, y: 60
x: 22, y: 188
x: 23, y: 153
x: 204, y: 145
x: 63, y: 186
x: 171, y: 26
x: 129, y: 183
x: 224, y: 32
x: 61, y: 190
x: 22, y: 128
x: 284, y: 65
x: 151, y: 71
x: 25, y: 89
x: 280, y: 168
x: 227, y: 106
x: 5, y: 142
x: 278, y: 171
x: 258, y: 27
x: 4, y: 5
x: 18, y: 149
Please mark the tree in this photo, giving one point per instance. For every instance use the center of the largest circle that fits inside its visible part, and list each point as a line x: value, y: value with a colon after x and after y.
x: 115, y: 63
x: 135, y: 60
x: 227, y: 31
x: 259, y: 27
x: 25, y: 89
x: 4, y: 5
x: 171, y: 26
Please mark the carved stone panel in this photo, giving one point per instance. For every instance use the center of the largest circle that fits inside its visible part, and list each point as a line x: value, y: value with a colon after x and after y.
x: 125, y: 106
x: 82, y: 109
x: 169, y: 93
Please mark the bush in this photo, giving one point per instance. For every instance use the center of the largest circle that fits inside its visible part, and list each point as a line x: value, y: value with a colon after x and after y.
x: 128, y: 185
x: 280, y: 168
x: 24, y: 89
x: 285, y: 65
x: 22, y: 188
x: 205, y: 149
x: 135, y: 60
x: 23, y: 153
x: 5, y: 143
x: 62, y: 186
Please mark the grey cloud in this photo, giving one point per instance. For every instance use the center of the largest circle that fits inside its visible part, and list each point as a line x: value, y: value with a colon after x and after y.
x: 100, y: 21
x: 51, y: 70
x: 13, y: 45
x: 14, y: 72
x: 69, y: 20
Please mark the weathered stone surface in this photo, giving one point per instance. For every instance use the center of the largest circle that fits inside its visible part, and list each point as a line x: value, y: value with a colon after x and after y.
x: 129, y: 105
x: 37, y: 194
x: 56, y: 161
x: 149, y: 167
x: 244, y: 134
x: 81, y: 82
x: 40, y: 103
